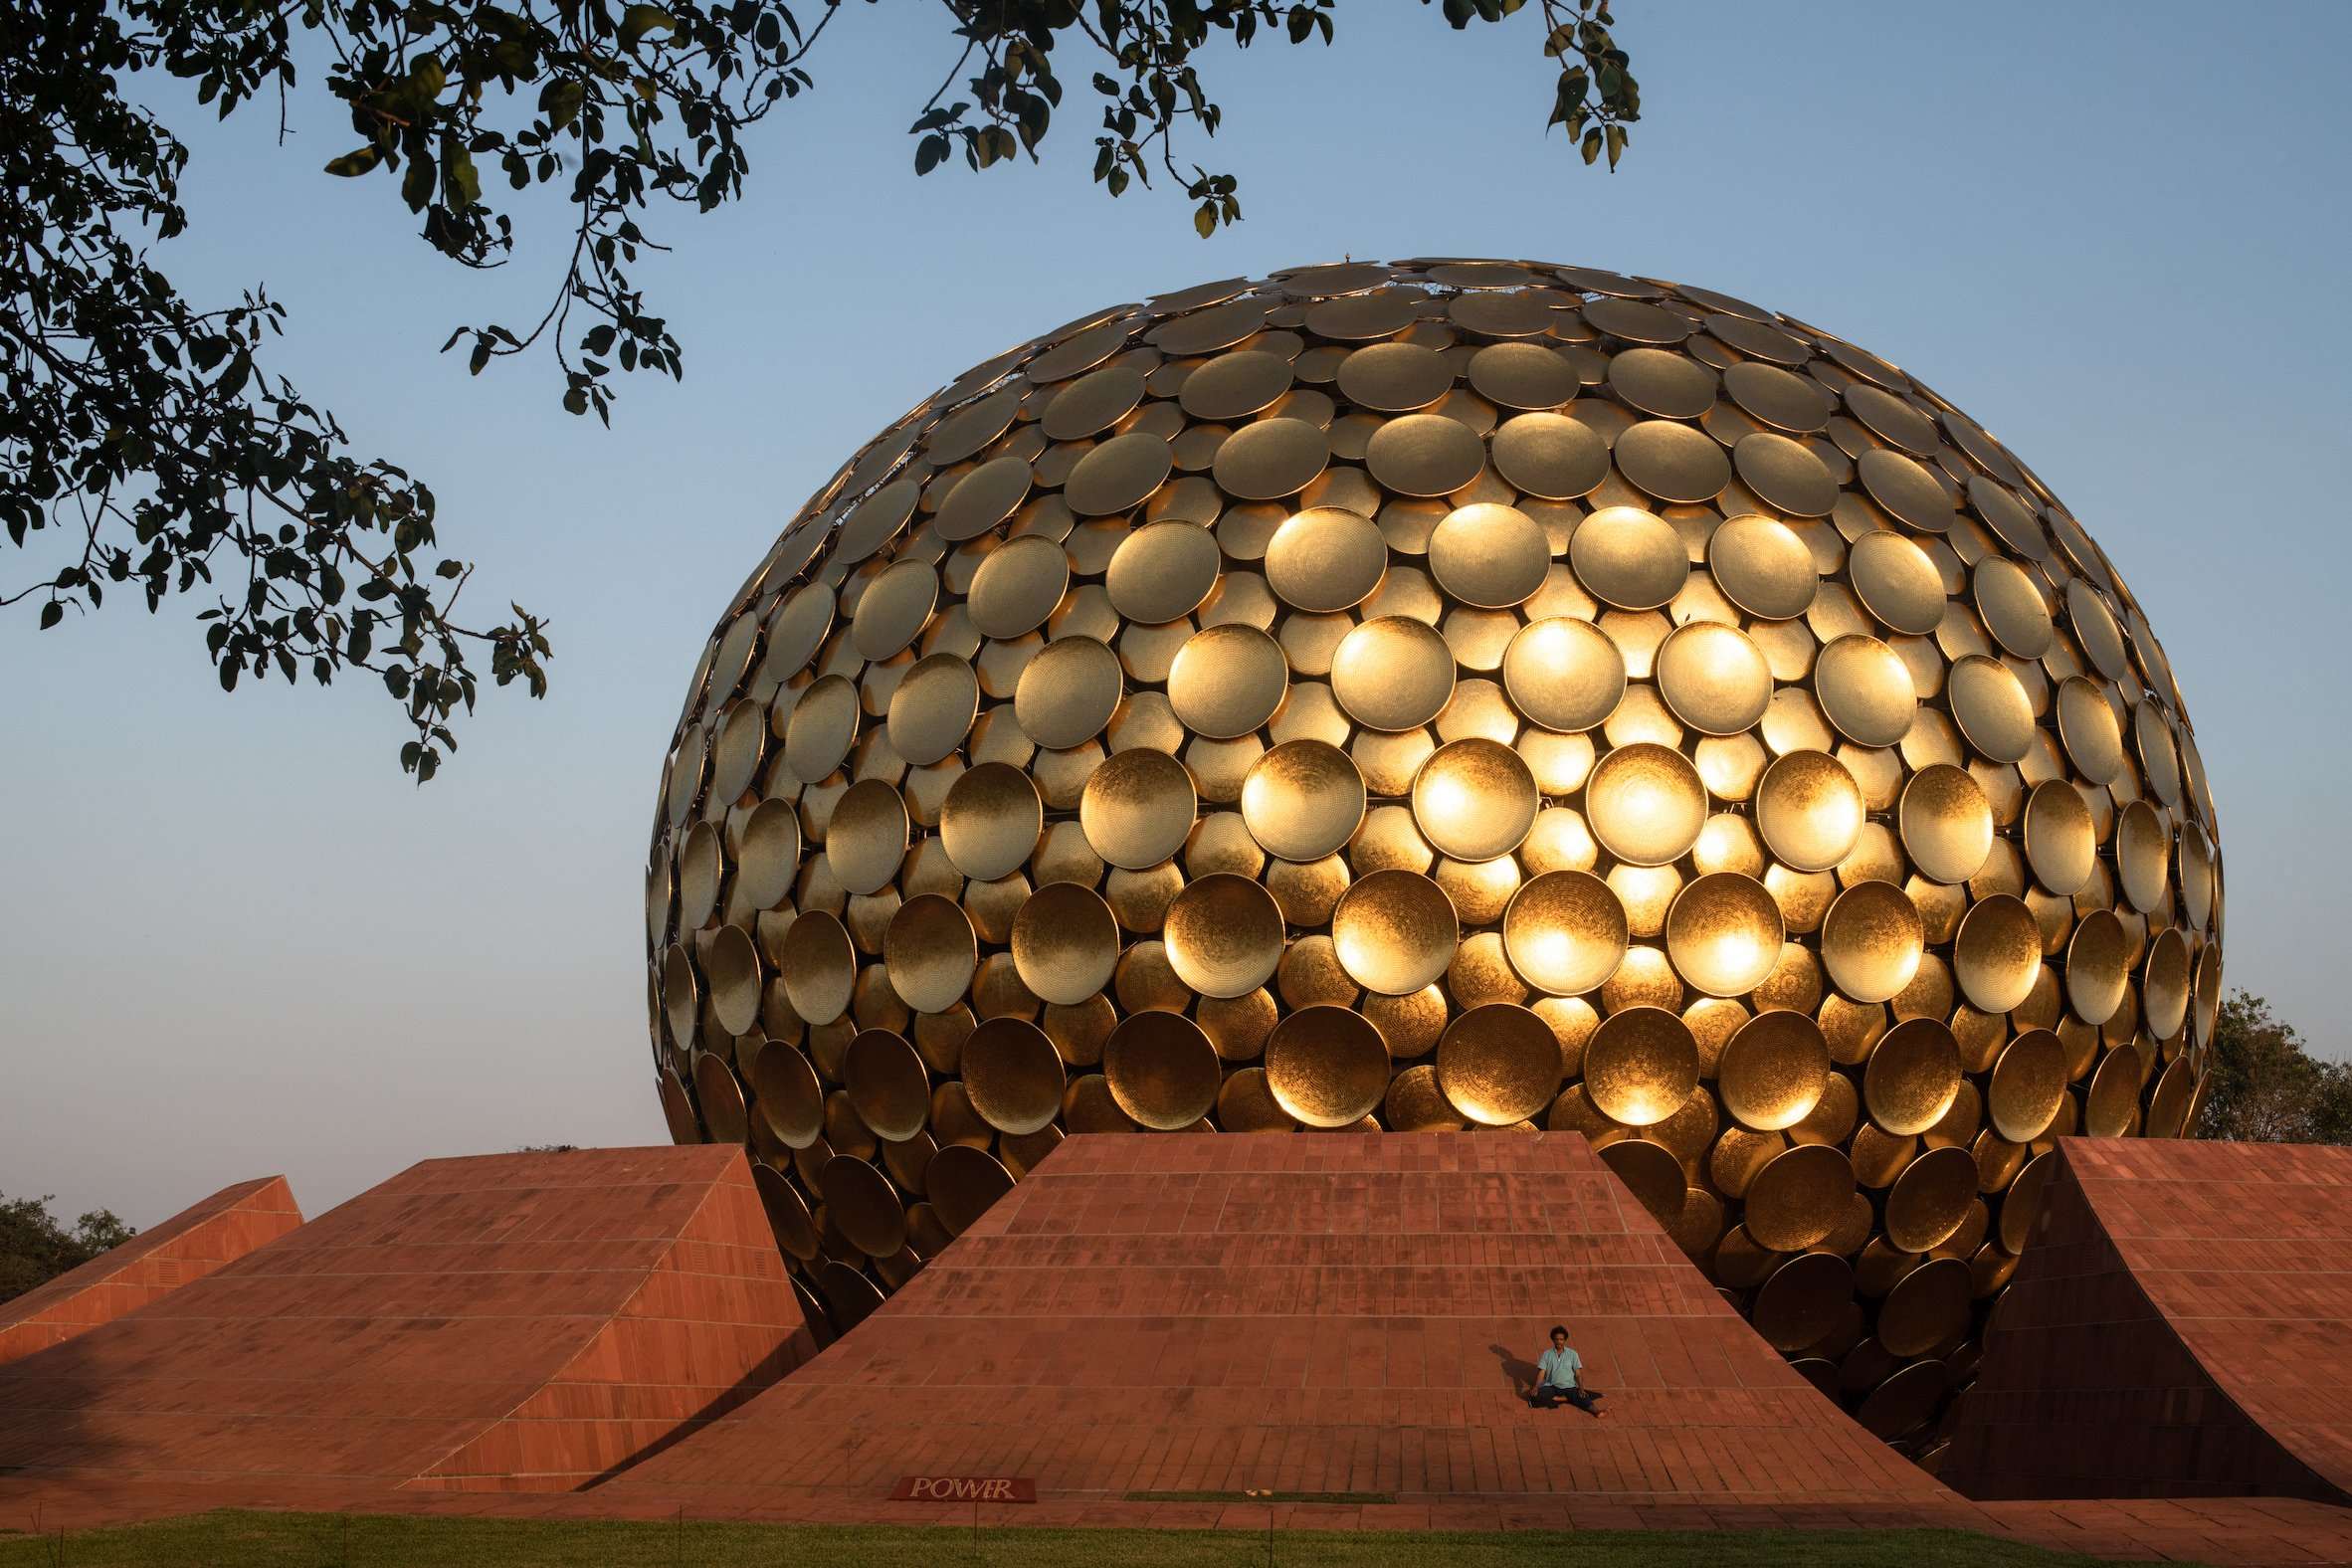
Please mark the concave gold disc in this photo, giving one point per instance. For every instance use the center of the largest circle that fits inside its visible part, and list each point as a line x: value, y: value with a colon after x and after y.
x: 1302, y: 800
x: 1628, y: 557
x: 1714, y: 678
x: 1246, y: 1103
x: 1392, y: 672
x: 1997, y: 953
x: 791, y: 1099
x: 1224, y: 934
x: 1931, y: 1199
x: 1565, y: 932
x: 860, y: 1205
x: 733, y: 966
x: 1947, y: 823
x: 1645, y: 804
x: 2028, y: 1084
x: 2096, y: 973
x: 1912, y: 1076
x: 1424, y: 455
x: 1763, y: 568
x: 1227, y: 680
x: 1724, y: 933
x: 818, y: 966
x: 1897, y: 583
x: 1161, y: 1069
x: 1661, y: 382
x: 1802, y: 1300
x: 1117, y: 474
x: 1416, y: 1103
x: 1872, y: 940
x: 2143, y: 848
x: 1810, y: 811
x: 1550, y: 456
x: 961, y: 1182
x: 1474, y: 799
x: 1068, y: 692
x: 886, y: 1084
x: 2013, y: 608
x: 1773, y: 1071
x: 983, y: 498
x: 1798, y: 1197
x: 1394, y: 931
x: 1395, y: 378
x: 788, y: 1213
x: 1162, y: 571
x: 1066, y: 943
x: 1498, y: 1063
x: 1565, y: 675
x: 894, y: 609
x: 1785, y: 474
x: 1137, y: 808
x: 2164, y: 985
x: 1271, y: 459
x: 866, y: 838
x: 721, y: 1098
x: 1650, y: 1172
x: 1016, y: 586
x: 1926, y: 1309
x: 1326, y: 1067
x: 1674, y: 462
x: 1991, y: 707
x: 1864, y: 690
x: 1013, y: 1073
x: 1234, y: 385
x: 823, y: 723
x: 933, y: 709
x: 1523, y: 375
x: 1909, y: 491
x: 929, y: 954
x: 1325, y: 558
x: 1776, y: 397
x: 1489, y: 556
x: 1640, y: 1065
x: 990, y: 822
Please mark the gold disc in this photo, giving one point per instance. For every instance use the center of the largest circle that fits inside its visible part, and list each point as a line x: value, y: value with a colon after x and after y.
x: 1640, y: 1065
x: 1016, y: 586
x: 1395, y: 378
x: 1565, y: 675
x: 932, y: 708
x: 1997, y: 953
x: 2164, y: 985
x: 1802, y: 1300
x: 1930, y: 1200
x: 1912, y: 1076
x: 1392, y: 672
x: 1162, y: 571
x: 1425, y: 455
x: 1474, y: 799
x: 1674, y: 462
x: 1872, y: 940
x: 2013, y: 609
x: 1650, y: 1172
x: 1714, y: 678
x: 929, y: 954
x: 1066, y: 943
x: 1565, y: 932
x: 2096, y: 966
x: 1489, y: 556
x: 1763, y: 568
x: 1645, y: 804
x: 721, y: 1098
x: 1630, y: 559
x: 1137, y: 808
x: 860, y: 1203
x: 1227, y: 680
x: 1271, y: 459
x: 1245, y: 1103
x: 1119, y: 474
x: 1661, y: 382
x: 983, y: 498
x: 1776, y: 397
x: 1724, y: 933
x: 1013, y: 1073
x: 791, y: 1099
x: 2143, y: 848
x: 823, y: 722
x: 1416, y: 1103
x: 1394, y: 931
x: 818, y: 966
x: 1947, y: 823
x: 1161, y: 1069
x: 887, y: 1085
x: 1785, y: 474
x: 733, y: 966
x: 1302, y: 800
x: 1067, y: 692
x: 1864, y: 690
x: 866, y: 838
x: 1550, y: 455
x: 962, y: 1182
x: 1897, y: 583
x: 1810, y: 811
x: 1798, y: 1197
x: 1234, y: 385
x: 1325, y: 558
x: 1991, y: 707
x: 1523, y: 375
x: 1773, y: 1071
x: 1909, y: 491
x: 1224, y: 934
x: 990, y: 821
x: 1498, y: 1063
x: 1326, y: 1067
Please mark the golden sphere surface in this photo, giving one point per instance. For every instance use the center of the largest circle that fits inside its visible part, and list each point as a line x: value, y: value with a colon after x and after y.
x: 1445, y: 694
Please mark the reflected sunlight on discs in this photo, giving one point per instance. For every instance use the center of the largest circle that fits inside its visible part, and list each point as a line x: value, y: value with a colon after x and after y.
x: 1445, y: 694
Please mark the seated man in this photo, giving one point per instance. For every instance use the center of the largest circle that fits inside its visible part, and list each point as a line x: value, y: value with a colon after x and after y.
x: 1557, y: 1378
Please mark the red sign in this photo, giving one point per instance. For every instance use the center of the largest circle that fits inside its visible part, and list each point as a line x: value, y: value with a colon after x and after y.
x: 964, y: 1488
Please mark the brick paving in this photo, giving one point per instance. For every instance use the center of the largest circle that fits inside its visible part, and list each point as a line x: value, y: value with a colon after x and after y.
x: 530, y: 1320
x: 150, y: 1265
x: 2181, y: 1325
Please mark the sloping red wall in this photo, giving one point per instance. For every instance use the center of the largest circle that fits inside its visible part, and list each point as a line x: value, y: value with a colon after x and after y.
x: 512, y: 1321
x: 150, y: 1265
x: 2180, y: 1325
x: 1329, y: 1313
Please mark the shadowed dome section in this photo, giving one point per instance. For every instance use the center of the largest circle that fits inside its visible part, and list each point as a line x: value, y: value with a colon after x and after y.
x: 1559, y: 674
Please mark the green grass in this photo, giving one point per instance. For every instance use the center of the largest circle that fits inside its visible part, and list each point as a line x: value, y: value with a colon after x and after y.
x: 297, y: 1540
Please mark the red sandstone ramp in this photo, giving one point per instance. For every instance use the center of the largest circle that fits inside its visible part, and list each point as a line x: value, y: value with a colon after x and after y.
x: 512, y: 1321
x: 150, y: 1265
x: 1327, y: 1313
x: 2180, y: 1325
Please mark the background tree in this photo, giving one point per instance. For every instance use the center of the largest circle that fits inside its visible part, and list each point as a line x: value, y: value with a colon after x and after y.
x: 2267, y: 1086
x: 35, y: 1248
x: 144, y: 433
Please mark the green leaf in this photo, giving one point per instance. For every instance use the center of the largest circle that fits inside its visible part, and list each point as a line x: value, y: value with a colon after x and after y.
x: 357, y: 161
x: 51, y: 613
x: 638, y: 20
x: 1204, y: 218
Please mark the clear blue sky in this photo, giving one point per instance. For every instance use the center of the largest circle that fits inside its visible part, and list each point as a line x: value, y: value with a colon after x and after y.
x: 236, y: 941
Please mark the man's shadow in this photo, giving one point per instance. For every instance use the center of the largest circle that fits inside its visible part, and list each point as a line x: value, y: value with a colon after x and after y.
x: 1521, y: 1373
